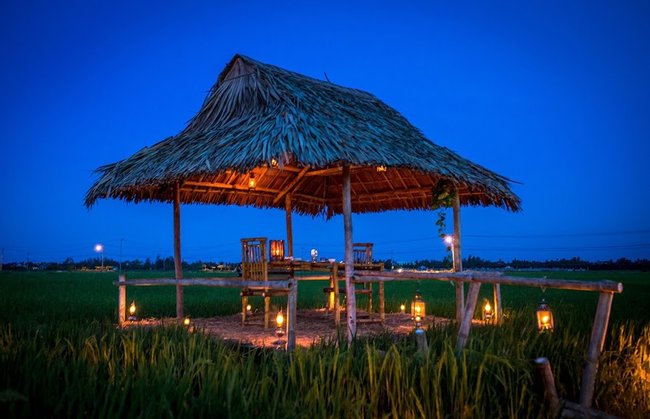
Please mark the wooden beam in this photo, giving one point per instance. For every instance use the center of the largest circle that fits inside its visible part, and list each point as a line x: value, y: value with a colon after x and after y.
x: 293, y: 185
x: 596, y: 343
x: 208, y: 282
x: 465, y: 325
x: 287, y: 209
x: 351, y: 306
x: 226, y: 186
x: 491, y: 278
x: 178, y: 267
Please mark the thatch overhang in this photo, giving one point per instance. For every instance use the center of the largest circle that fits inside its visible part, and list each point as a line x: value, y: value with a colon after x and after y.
x: 293, y: 134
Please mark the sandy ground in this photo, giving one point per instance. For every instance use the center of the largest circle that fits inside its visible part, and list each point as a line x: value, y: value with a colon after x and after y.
x: 312, y: 326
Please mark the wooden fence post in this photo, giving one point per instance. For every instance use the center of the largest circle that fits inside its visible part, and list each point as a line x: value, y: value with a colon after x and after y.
x: 460, y: 300
x: 421, y: 341
x: 545, y: 374
x: 337, y: 302
x: 292, y: 307
x: 598, y: 333
x: 498, y: 310
x: 470, y: 305
x: 121, y: 301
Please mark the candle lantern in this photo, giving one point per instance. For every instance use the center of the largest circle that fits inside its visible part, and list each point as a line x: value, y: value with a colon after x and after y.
x: 418, y: 308
x: 544, y: 317
x: 249, y: 310
x: 276, y: 250
x: 488, y: 313
x: 186, y: 321
x: 279, y: 332
x: 132, y: 310
x: 252, y: 183
x: 402, y: 308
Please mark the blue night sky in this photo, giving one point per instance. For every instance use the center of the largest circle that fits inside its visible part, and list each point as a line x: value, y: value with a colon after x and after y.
x: 553, y: 94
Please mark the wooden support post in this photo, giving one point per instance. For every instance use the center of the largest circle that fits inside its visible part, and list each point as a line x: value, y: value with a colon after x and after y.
x: 498, y: 310
x: 596, y: 343
x: 287, y: 208
x: 267, y: 310
x: 460, y: 300
x: 292, y: 307
x: 458, y: 257
x: 463, y: 333
x: 545, y: 374
x: 244, y: 312
x: 178, y: 267
x: 337, y: 301
x: 121, y: 301
x: 351, y: 306
x: 421, y: 341
x: 382, y: 306
x: 458, y: 260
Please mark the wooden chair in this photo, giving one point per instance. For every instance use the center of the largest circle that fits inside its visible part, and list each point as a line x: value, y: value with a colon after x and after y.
x: 255, y: 267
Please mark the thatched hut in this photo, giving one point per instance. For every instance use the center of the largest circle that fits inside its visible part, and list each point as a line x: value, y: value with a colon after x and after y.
x: 272, y: 138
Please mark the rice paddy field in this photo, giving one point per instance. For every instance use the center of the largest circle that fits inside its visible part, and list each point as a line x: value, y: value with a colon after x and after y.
x: 62, y: 355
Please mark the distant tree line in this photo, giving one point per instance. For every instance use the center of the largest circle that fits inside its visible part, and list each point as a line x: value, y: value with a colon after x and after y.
x: 470, y: 262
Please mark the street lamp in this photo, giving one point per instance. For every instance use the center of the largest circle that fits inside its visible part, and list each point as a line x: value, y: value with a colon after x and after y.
x: 99, y: 248
x: 449, y: 240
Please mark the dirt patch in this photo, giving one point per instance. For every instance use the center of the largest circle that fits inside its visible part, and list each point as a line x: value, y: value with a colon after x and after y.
x: 312, y: 326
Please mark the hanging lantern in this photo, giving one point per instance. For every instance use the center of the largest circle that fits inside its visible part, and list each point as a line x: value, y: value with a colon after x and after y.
x: 251, y: 181
x: 276, y: 249
x: 132, y: 310
x: 544, y: 317
x: 488, y: 313
x: 418, y: 307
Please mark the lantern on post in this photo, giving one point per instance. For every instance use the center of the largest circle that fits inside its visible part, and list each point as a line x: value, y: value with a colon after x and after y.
x: 544, y: 317
x: 418, y: 309
x: 488, y: 313
x: 276, y: 250
x: 132, y: 310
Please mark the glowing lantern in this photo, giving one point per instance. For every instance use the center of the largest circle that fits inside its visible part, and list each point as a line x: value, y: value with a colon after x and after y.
x: 488, y: 312
x: 279, y: 320
x: 381, y: 169
x: 418, y: 308
x: 186, y: 321
x: 132, y: 309
x: 251, y: 181
x: 249, y: 310
x: 276, y: 248
x: 544, y: 317
x: 402, y: 308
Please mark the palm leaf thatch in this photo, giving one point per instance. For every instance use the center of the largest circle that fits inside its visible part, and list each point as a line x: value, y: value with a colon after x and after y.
x: 293, y: 134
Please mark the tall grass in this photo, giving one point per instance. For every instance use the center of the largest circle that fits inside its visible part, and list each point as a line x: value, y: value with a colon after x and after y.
x: 59, y: 360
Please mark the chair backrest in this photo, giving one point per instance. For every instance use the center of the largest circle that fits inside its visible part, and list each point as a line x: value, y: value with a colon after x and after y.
x: 362, y: 253
x: 253, y: 259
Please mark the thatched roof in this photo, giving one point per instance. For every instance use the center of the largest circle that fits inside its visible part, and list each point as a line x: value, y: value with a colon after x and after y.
x: 293, y: 133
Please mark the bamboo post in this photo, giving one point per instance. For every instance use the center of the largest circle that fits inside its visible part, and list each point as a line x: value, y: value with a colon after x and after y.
x: 545, y: 374
x: 287, y: 208
x: 421, y: 341
x: 382, y: 306
x: 460, y: 300
x: 351, y: 306
x: 498, y: 310
x: 121, y: 301
x: 267, y: 309
x: 178, y: 267
x: 337, y: 302
x: 596, y: 343
x: 458, y: 259
x: 292, y: 307
x: 244, y: 304
x: 463, y: 333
